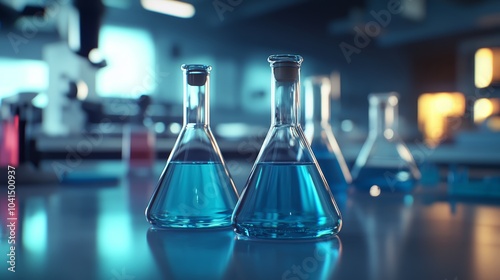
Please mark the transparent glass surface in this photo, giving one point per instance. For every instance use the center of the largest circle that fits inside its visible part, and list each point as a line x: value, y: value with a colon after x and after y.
x: 195, y: 189
x: 286, y: 195
x: 384, y: 160
x: 138, y: 148
x: 320, y: 135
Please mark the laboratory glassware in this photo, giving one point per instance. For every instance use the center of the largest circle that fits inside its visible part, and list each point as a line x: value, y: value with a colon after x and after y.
x: 320, y: 135
x: 384, y: 160
x: 286, y: 195
x: 195, y: 189
x: 139, y: 141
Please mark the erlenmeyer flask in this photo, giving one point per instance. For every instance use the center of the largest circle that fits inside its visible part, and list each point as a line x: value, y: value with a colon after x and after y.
x: 319, y: 133
x: 384, y: 160
x: 286, y: 195
x: 195, y: 189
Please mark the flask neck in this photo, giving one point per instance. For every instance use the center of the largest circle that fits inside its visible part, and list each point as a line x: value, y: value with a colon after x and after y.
x: 383, y: 117
x: 317, y: 103
x: 285, y: 96
x: 196, y: 98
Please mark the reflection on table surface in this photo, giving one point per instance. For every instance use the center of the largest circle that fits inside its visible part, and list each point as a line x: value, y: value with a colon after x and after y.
x: 99, y: 232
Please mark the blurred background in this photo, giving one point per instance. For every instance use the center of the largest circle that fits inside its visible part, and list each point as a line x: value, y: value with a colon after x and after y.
x: 74, y: 65
x: 91, y: 91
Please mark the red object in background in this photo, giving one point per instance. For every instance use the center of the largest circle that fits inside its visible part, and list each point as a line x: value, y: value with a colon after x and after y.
x: 9, y: 144
x: 138, y: 148
x: 142, y: 148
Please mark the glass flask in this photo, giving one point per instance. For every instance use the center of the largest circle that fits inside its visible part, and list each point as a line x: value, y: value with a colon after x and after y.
x: 286, y: 195
x: 384, y: 162
x: 195, y: 189
x: 319, y: 133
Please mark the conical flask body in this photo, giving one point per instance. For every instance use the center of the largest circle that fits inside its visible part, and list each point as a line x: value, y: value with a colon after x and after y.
x: 286, y: 195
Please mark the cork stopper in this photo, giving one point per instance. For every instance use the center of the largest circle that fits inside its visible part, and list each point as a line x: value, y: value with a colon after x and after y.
x: 196, y: 74
x: 286, y: 74
x: 197, y: 78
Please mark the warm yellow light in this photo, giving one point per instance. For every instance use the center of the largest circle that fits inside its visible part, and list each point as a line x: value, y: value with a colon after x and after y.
x: 483, y: 108
x: 494, y: 123
x: 483, y: 67
x: 486, y: 67
x: 434, y: 109
x: 169, y: 7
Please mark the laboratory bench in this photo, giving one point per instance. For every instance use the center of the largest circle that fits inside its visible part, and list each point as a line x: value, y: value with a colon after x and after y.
x: 109, y: 146
x: 97, y: 230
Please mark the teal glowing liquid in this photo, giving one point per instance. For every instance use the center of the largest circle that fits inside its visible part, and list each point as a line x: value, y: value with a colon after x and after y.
x: 190, y: 195
x: 285, y: 200
x: 331, y: 170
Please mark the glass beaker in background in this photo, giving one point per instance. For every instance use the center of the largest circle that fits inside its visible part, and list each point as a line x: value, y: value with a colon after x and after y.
x: 139, y: 141
x: 286, y: 195
x: 320, y: 135
x: 384, y: 160
x: 195, y: 189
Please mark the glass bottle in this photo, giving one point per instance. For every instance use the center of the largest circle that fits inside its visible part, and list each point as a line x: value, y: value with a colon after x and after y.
x: 384, y: 161
x: 286, y: 195
x: 195, y: 189
x: 319, y: 133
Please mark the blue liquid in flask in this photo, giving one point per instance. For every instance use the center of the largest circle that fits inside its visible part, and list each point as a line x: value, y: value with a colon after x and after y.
x: 291, y: 200
x: 320, y: 135
x: 200, y: 197
x: 331, y: 170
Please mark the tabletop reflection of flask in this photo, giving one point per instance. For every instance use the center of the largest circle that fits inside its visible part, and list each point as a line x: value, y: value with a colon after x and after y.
x: 384, y: 160
x: 191, y: 253
x: 320, y: 135
x: 286, y: 195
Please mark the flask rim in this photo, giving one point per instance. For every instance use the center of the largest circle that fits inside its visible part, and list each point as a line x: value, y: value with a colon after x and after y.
x: 285, y: 60
x: 317, y: 79
x: 196, y: 68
